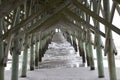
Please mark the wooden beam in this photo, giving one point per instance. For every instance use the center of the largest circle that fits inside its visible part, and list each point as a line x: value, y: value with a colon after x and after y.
x: 71, y: 24
x: 46, y: 25
x: 71, y: 14
x: 47, y: 18
x: 118, y: 9
x: 18, y: 26
x: 67, y: 27
x: 95, y: 16
x: 29, y: 19
x: 8, y: 6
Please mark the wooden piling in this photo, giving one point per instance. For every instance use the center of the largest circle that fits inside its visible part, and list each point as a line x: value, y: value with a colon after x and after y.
x: 32, y: 54
x: 40, y: 55
x: 96, y: 9
x: 90, y: 51
x: 82, y: 52
x: 1, y: 62
x: 25, y: 57
x: 36, y: 55
x: 87, y: 55
x: 15, y: 60
x: 74, y: 43
x: 16, y: 48
x: 99, y: 57
x: 109, y: 43
x: 68, y: 38
x: 1, y: 53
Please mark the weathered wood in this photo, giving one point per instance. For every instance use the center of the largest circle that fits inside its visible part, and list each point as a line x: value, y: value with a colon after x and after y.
x: 26, y: 45
x: 8, y: 6
x: 89, y: 50
x: 109, y: 42
x: 20, y: 25
x: 1, y: 62
x: 118, y: 9
x: 71, y: 24
x: 77, y: 27
x: 36, y: 52
x: 43, y: 48
x: 51, y: 24
x: 16, y: 50
x: 32, y: 54
x: 29, y: 19
x: 74, y: 43
x: 25, y: 51
x: 81, y: 47
x: 9, y: 42
x: 68, y: 37
x: 95, y: 16
x: 77, y: 18
x: 48, y: 18
x: 1, y: 52
x: 25, y: 57
x: 1, y: 56
x: 96, y: 9
x: 40, y: 55
x: 87, y: 55
x: 15, y: 60
x: 89, y: 39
